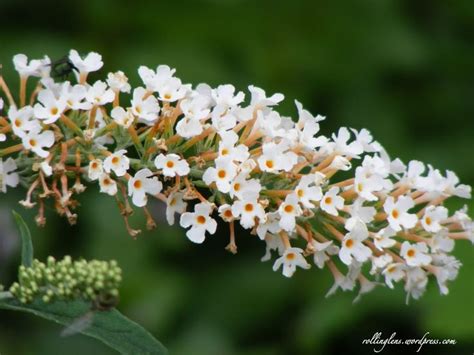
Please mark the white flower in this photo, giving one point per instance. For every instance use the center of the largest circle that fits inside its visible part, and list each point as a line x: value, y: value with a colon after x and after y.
x: 291, y: 258
x: 340, y: 163
x: 172, y: 165
x: 144, y: 108
x: 92, y: 62
x: 353, y: 246
x: 228, y: 149
x: 331, y: 201
x: 99, y: 94
x: 274, y: 158
x: 107, y: 185
x: 432, y: 218
x: 118, y: 82
x: 117, y: 162
x: 36, y: 142
x: 260, y: 101
x: 288, y: 211
x: 222, y: 174
x: 22, y: 120
x: 415, y: 284
x: 199, y: 221
x: 188, y: 127
x: 224, y: 95
x: 240, y: 184
x: 359, y: 212
x: 340, y: 145
x: 273, y: 242
x: 123, y: 117
x: 270, y: 226
x: 380, y: 262
x: 394, y: 272
x: 370, y: 177
x: 74, y: 96
x: 174, y: 204
x: 196, y: 108
x: 306, y: 193
x: 225, y: 212
x: 95, y: 169
x: 441, y: 242
x: 50, y: 108
x: 36, y: 67
x: 397, y: 212
x: 172, y: 90
x: 321, y: 252
x: 7, y: 175
x: 141, y: 184
x: 415, y: 254
x: 382, y: 239
x: 248, y: 209
x: 155, y: 80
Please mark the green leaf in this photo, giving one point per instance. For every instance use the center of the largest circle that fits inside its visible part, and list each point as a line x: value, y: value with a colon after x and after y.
x: 26, y: 243
x: 110, y: 327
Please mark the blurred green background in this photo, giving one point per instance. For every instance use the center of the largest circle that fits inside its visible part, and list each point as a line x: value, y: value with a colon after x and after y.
x: 402, y: 69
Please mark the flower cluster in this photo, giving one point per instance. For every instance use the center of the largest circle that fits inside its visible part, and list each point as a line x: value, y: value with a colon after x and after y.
x: 209, y: 154
x: 96, y: 281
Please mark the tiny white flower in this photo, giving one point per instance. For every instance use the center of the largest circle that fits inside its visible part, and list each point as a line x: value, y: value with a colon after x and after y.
x: 274, y: 158
x: 240, y: 184
x: 36, y: 142
x: 397, y: 212
x: 8, y: 176
x: 99, y: 94
x: 341, y: 145
x: 36, y: 67
x: 358, y: 211
x: 291, y: 258
x: 224, y: 95
x: 46, y: 168
x: 155, y: 80
x: 331, y: 201
x: 173, y: 90
x: 248, y: 209
x: 118, y: 82
x: 380, y: 262
x: 117, y: 162
x: 225, y: 212
x: 50, y: 107
x: 199, y: 221
x: 353, y: 246
x: 441, y: 242
x: 172, y: 165
x: 74, y: 96
x: 123, y: 117
x: 394, y: 272
x: 145, y: 108
x: 288, y: 211
x: 227, y: 148
x: 196, y: 108
x: 415, y: 282
x: 273, y: 242
x: 322, y: 252
x: 188, y: 127
x: 382, y: 239
x: 92, y: 61
x: 259, y: 99
x: 222, y: 174
x: 22, y: 120
x: 271, y: 225
x: 107, y: 184
x: 415, y: 254
x: 141, y: 184
x: 432, y: 218
x: 307, y: 193
x: 95, y: 169
x: 174, y: 204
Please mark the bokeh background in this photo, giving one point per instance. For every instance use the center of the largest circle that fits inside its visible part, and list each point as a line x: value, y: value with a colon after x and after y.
x: 403, y: 69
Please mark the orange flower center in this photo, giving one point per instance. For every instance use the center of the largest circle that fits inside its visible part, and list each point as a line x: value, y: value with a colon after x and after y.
x: 269, y: 164
x: 169, y: 164
x: 349, y: 243
x: 328, y: 200
x: 54, y: 111
x: 137, y: 184
x: 249, y: 207
x: 290, y: 256
x: 201, y: 219
x: 221, y: 174
x: 411, y: 253
x: 395, y: 214
x: 289, y: 208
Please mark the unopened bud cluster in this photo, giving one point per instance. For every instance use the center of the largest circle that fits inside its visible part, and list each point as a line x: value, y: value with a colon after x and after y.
x: 67, y: 280
x: 242, y: 162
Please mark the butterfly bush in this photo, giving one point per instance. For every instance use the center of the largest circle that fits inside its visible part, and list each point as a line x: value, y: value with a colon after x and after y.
x: 219, y: 154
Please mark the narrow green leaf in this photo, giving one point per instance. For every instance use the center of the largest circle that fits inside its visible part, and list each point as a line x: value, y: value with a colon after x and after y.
x: 26, y: 243
x: 110, y: 327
